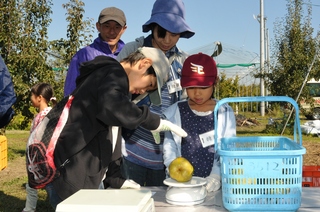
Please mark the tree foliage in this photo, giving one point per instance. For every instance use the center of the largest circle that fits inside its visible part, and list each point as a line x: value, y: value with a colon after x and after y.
x: 28, y: 53
x: 24, y: 39
x: 293, y: 51
x: 79, y: 30
x: 227, y: 87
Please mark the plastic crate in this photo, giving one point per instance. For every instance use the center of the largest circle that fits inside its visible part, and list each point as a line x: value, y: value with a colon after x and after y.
x: 3, y: 152
x: 261, y: 173
x: 311, y: 176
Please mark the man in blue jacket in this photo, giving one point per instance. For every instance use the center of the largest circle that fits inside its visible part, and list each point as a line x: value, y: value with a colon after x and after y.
x: 7, y: 95
x: 111, y: 25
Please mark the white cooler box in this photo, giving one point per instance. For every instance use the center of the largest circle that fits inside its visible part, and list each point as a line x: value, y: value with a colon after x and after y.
x: 124, y: 200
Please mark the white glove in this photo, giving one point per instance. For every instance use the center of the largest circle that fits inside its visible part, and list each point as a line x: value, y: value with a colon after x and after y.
x: 166, y: 125
x: 213, y: 183
x: 130, y: 184
x: 123, y: 147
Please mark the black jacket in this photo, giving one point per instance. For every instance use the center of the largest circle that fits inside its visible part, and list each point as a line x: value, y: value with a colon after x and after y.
x: 101, y: 100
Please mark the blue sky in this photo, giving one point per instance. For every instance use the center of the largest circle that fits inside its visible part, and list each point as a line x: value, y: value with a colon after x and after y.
x: 227, y: 21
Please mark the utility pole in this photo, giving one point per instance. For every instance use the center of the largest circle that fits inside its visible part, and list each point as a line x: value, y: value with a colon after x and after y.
x: 262, y: 45
x: 267, y: 55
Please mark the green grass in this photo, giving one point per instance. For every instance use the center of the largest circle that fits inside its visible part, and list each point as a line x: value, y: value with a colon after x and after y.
x: 12, y: 190
x: 17, y: 145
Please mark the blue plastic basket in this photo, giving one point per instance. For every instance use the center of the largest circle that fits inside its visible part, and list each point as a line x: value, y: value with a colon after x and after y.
x: 261, y: 173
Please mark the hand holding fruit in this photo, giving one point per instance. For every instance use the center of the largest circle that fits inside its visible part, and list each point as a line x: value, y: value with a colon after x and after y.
x: 213, y: 183
x: 166, y: 125
x: 181, y: 170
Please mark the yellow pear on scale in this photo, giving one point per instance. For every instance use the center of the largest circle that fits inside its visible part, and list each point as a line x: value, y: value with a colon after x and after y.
x: 181, y: 170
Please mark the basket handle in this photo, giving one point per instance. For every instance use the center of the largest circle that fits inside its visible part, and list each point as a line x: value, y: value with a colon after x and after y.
x: 260, y: 99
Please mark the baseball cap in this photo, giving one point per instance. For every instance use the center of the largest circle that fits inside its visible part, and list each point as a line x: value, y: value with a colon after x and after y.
x: 170, y: 15
x: 114, y: 14
x: 198, y: 70
x: 161, y: 66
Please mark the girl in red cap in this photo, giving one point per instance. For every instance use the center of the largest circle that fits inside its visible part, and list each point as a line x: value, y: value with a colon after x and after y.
x: 195, y: 115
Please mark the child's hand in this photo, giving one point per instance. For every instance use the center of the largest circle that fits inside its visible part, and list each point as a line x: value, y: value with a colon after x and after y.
x: 213, y: 183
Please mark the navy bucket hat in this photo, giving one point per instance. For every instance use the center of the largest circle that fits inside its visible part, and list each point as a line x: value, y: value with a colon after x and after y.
x: 170, y: 15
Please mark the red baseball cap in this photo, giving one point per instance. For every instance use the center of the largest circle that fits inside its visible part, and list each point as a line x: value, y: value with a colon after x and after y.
x: 199, y: 70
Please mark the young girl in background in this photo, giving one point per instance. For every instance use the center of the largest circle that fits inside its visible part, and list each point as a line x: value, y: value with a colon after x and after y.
x: 196, y: 117
x: 41, y: 95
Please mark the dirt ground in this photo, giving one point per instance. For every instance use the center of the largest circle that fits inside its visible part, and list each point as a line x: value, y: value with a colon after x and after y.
x: 312, y: 157
x: 15, y: 169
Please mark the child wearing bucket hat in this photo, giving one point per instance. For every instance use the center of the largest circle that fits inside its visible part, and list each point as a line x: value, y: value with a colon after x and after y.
x: 195, y: 116
x: 143, y: 161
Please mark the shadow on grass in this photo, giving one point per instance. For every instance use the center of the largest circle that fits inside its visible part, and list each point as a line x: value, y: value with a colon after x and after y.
x: 10, y: 203
x: 15, y: 153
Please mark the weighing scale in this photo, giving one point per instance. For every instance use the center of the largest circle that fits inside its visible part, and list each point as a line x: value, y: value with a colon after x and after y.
x: 186, y: 193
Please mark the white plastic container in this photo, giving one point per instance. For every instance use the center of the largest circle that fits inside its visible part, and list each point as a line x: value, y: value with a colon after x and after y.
x: 124, y: 200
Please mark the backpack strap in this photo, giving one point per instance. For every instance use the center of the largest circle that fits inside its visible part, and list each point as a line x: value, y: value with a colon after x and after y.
x: 56, y: 133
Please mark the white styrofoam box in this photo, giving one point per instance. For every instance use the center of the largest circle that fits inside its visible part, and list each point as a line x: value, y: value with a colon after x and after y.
x: 124, y: 200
